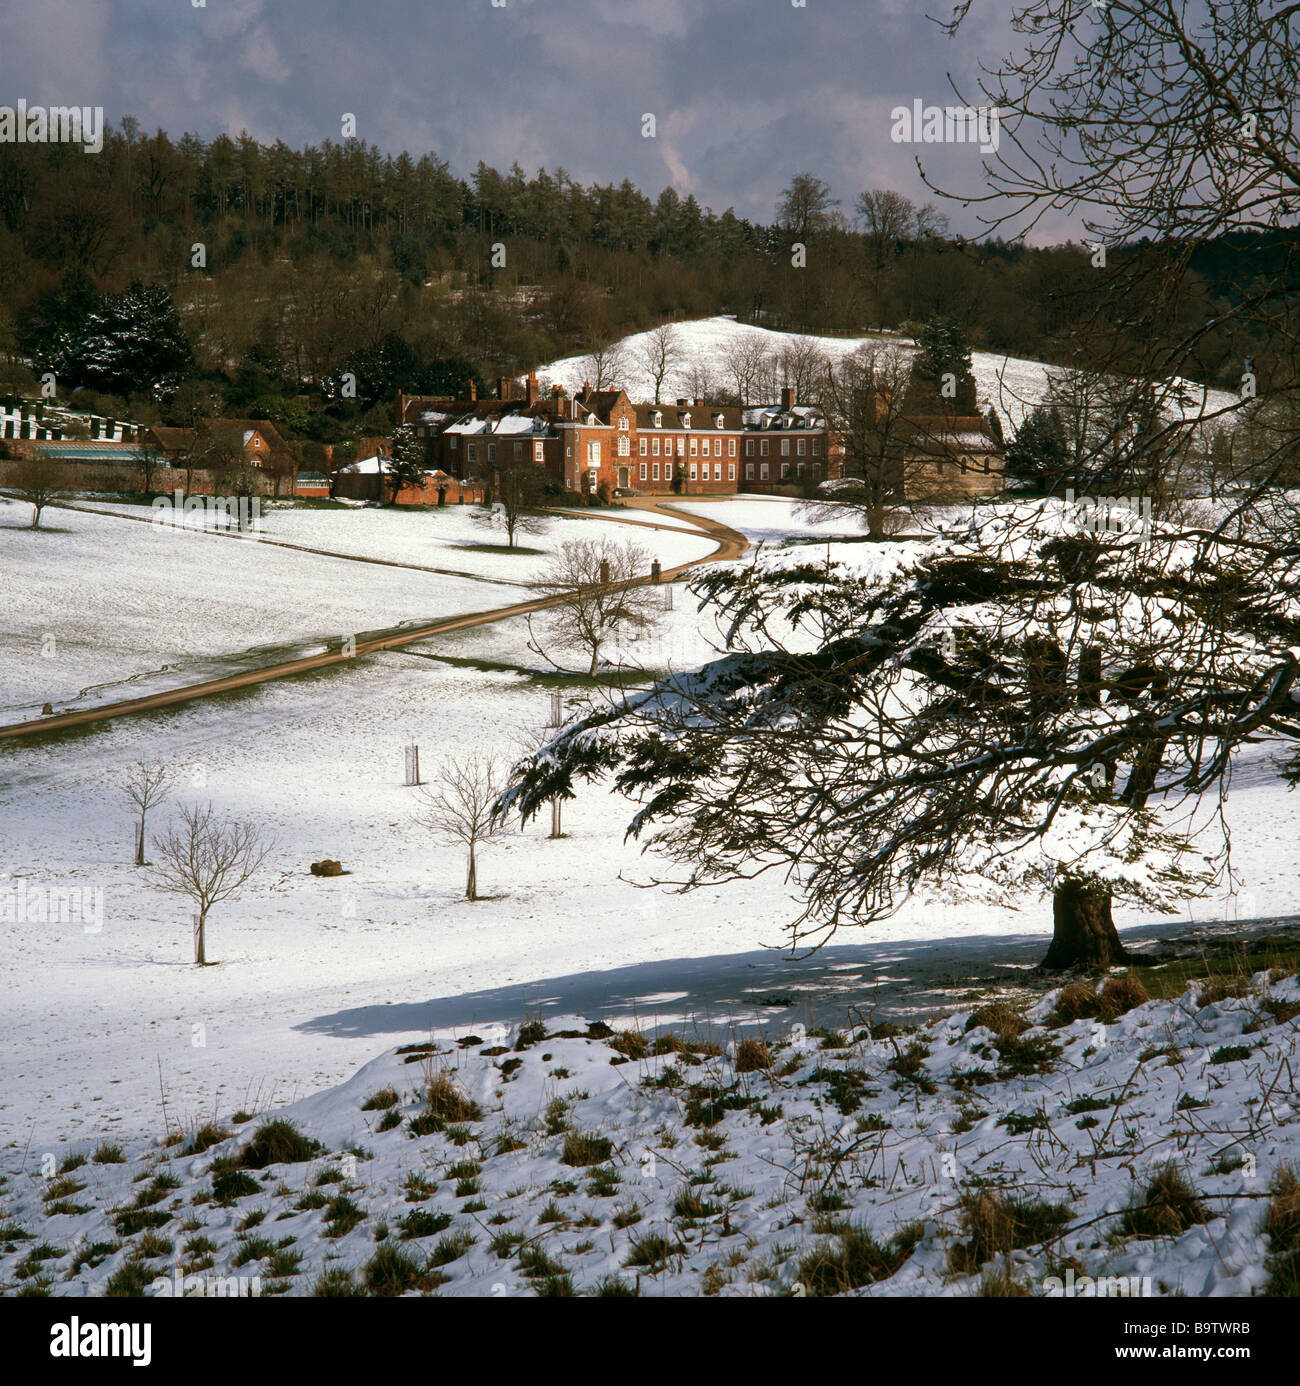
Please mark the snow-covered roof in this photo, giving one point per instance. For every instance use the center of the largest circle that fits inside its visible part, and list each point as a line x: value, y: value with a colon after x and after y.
x: 775, y: 416
x: 514, y: 423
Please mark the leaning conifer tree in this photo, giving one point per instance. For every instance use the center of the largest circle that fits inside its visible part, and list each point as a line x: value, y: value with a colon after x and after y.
x: 1028, y: 704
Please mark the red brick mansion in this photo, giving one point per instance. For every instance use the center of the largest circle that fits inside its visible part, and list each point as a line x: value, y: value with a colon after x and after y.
x: 601, y: 439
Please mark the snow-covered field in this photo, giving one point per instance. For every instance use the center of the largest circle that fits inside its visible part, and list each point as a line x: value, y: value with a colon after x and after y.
x: 1010, y: 384
x: 561, y: 1157
x: 316, y: 977
x: 100, y: 606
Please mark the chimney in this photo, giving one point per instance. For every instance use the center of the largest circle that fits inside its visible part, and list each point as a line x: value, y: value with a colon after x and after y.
x: 787, y: 398
x: 532, y: 387
x: 503, y: 387
x: 699, y: 403
x: 682, y: 403
x: 471, y: 391
x: 586, y: 387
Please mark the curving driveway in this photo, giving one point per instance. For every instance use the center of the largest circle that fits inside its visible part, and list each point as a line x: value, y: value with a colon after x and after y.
x: 731, y: 545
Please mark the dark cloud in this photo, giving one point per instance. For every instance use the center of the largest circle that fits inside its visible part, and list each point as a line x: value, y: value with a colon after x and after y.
x: 745, y: 92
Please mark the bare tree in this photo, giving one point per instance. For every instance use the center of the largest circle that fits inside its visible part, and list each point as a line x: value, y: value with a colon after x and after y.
x: 517, y: 494
x: 700, y: 382
x: 660, y: 355
x: 887, y: 218
x: 599, y: 596
x: 803, y: 365
x: 39, y: 481
x: 460, y: 811
x: 604, y: 366
x: 863, y: 397
x: 145, y: 784
x: 152, y: 461
x: 747, y: 364
x: 218, y: 447
x: 207, y: 861
x: 805, y: 206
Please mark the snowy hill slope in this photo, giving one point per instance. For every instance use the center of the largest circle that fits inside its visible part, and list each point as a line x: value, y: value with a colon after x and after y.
x: 1012, y: 385
x: 576, y: 1159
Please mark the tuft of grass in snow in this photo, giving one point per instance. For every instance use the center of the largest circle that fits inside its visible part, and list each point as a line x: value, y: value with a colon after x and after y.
x: 994, y: 1223
x: 1281, y: 1225
x: 1167, y: 1207
x: 752, y: 1056
x: 337, y: 1284
x: 1115, y: 997
x: 230, y: 1184
x: 390, y: 1271
x: 205, y: 1137
x: 381, y: 1100
x: 582, y: 1148
x: 278, y: 1142
x: 999, y: 1282
x: 854, y: 1258
x: 445, y: 1101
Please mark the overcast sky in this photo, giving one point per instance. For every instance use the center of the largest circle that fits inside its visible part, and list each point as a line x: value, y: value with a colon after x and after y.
x: 745, y: 92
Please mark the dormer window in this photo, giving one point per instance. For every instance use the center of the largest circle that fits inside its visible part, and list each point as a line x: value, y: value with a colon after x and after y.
x: 718, y: 420
x: 657, y: 419
x: 686, y: 421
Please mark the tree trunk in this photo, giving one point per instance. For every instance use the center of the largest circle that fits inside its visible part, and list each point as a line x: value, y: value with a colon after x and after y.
x: 200, y: 928
x: 139, y: 844
x: 555, y: 818
x: 471, y: 879
x: 1083, y: 933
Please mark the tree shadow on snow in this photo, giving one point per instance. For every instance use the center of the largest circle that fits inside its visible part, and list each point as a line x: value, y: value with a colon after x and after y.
x: 902, y: 981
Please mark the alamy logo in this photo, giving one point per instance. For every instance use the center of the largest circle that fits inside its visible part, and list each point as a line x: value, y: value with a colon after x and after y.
x: 24, y: 904
x: 205, y: 1286
x: 24, y: 124
x: 1104, y: 1287
x: 77, y: 1339
x: 921, y: 124
x: 243, y: 514
x: 1109, y: 514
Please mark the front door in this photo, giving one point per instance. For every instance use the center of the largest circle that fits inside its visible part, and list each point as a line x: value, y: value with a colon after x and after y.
x: 622, y: 478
